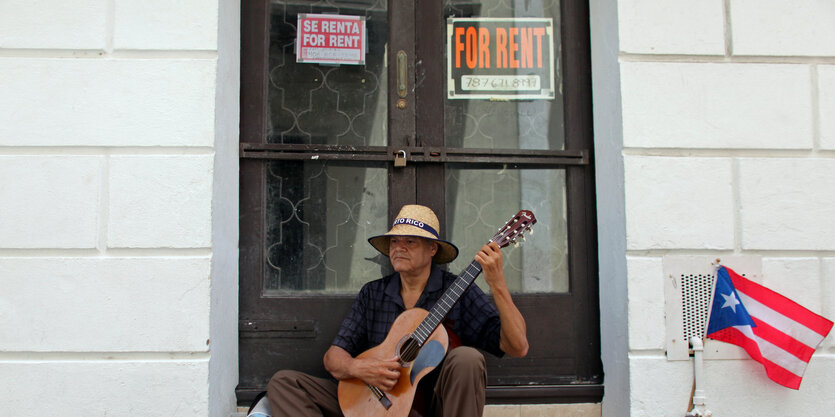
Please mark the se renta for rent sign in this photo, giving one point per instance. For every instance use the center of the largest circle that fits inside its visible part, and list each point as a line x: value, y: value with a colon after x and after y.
x: 330, y: 39
x: 500, y: 58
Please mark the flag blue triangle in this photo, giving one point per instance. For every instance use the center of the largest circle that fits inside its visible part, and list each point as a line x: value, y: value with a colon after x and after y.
x: 727, y: 309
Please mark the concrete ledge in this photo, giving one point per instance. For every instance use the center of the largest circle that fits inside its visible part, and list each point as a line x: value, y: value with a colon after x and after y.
x: 517, y: 410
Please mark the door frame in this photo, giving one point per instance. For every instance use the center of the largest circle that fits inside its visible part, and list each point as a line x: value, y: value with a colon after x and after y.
x: 424, y: 145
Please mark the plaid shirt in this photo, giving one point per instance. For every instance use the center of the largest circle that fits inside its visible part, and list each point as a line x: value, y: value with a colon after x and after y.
x: 474, y: 318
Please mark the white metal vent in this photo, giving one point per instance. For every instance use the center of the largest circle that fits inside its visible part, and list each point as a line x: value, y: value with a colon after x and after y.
x: 695, y: 300
x: 687, y: 286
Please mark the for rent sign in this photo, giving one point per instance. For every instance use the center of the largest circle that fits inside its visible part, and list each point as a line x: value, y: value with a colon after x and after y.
x: 330, y: 39
x: 500, y: 58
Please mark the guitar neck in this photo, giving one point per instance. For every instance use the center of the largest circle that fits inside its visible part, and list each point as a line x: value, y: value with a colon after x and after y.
x: 441, y: 308
x: 513, y: 229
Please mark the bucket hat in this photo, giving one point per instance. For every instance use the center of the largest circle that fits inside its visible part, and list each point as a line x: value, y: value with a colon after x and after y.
x: 418, y: 221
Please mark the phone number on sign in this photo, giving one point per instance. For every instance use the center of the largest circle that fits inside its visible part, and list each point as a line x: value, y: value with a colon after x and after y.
x: 499, y: 82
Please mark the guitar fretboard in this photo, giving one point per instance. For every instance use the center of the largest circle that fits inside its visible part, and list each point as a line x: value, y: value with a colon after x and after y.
x: 446, y: 302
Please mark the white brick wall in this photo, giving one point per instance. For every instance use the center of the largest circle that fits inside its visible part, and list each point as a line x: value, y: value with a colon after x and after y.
x: 787, y: 203
x: 678, y: 203
x: 827, y: 295
x: 161, y: 24
x: 146, y: 386
x: 651, y: 393
x: 775, y: 27
x: 80, y: 24
x: 646, y: 287
x: 672, y: 27
x: 118, y: 207
x: 826, y: 98
x: 105, y: 304
x: 725, y: 394
x: 758, y: 396
x: 50, y: 201
x: 728, y: 117
x: 797, y: 278
x: 717, y: 105
x: 107, y: 102
x: 160, y: 201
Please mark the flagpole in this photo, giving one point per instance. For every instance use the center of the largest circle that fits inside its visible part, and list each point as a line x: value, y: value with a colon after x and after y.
x: 699, y: 407
x: 716, y: 267
x: 697, y: 345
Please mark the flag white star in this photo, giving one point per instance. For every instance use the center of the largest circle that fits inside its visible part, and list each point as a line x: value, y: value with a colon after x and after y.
x: 730, y: 301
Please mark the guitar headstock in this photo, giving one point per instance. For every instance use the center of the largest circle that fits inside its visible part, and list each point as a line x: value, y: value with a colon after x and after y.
x: 514, y: 229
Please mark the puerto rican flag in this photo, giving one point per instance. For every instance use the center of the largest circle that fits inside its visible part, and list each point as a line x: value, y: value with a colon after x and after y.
x: 775, y: 331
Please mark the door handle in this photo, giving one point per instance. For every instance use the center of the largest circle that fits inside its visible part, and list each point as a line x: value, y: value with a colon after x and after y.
x: 402, y: 71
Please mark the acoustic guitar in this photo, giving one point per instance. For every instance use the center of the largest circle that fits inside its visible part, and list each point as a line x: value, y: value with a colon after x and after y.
x: 418, y: 341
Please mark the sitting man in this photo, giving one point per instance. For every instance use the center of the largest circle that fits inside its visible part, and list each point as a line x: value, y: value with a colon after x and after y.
x: 457, y: 387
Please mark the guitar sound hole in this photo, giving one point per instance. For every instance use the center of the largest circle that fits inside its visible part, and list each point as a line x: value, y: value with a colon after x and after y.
x: 408, y: 350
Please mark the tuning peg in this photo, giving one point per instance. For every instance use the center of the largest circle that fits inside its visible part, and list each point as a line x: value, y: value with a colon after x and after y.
x: 523, y: 237
x: 515, y: 244
x: 530, y: 231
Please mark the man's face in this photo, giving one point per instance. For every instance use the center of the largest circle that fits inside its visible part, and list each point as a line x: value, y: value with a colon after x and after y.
x: 411, y: 255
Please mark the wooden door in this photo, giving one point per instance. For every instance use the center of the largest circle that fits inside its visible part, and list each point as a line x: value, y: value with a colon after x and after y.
x: 318, y: 144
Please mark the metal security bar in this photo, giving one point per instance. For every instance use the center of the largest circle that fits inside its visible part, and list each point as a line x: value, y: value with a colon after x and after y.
x: 421, y: 154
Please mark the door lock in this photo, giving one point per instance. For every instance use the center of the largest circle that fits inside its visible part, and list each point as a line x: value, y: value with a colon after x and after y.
x: 400, y: 159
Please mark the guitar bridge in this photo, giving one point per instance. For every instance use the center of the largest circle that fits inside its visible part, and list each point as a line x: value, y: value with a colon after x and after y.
x: 381, y: 396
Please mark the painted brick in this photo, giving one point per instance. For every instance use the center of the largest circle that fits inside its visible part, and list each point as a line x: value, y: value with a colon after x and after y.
x: 104, y: 388
x: 104, y: 304
x: 160, y: 24
x: 797, y: 278
x: 671, y: 27
x: 753, y: 394
x: 661, y: 388
x: 160, y: 201
x: 646, y: 303
x: 723, y: 106
x: 658, y: 387
x: 787, y: 204
x: 106, y: 102
x: 40, y: 24
x: 826, y: 109
x: 49, y: 201
x: 776, y: 27
x: 677, y: 203
x: 828, y: 308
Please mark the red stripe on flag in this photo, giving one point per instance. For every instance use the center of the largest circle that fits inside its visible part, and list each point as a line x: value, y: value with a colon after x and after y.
x: 734, y: 337
x: 781, y: 304
x: 775, y: 372
x: 780, y: 375
x: 782, y: 340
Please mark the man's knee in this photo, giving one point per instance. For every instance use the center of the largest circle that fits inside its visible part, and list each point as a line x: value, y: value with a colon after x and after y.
x: 460, y: 390
x: 466, y: 359
x: 284, y: 377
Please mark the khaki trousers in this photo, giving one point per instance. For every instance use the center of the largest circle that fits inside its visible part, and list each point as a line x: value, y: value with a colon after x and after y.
x: 458, y: 392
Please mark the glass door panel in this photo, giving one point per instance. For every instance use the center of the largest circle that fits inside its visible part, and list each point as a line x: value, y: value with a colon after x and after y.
x: 318, y: 218
x: 318, y: 214
x: 326, y: 104
x: 502, y: 123
x: 479, y: 200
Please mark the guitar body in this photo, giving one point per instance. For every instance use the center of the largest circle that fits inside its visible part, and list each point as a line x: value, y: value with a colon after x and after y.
x: 358, y: 400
